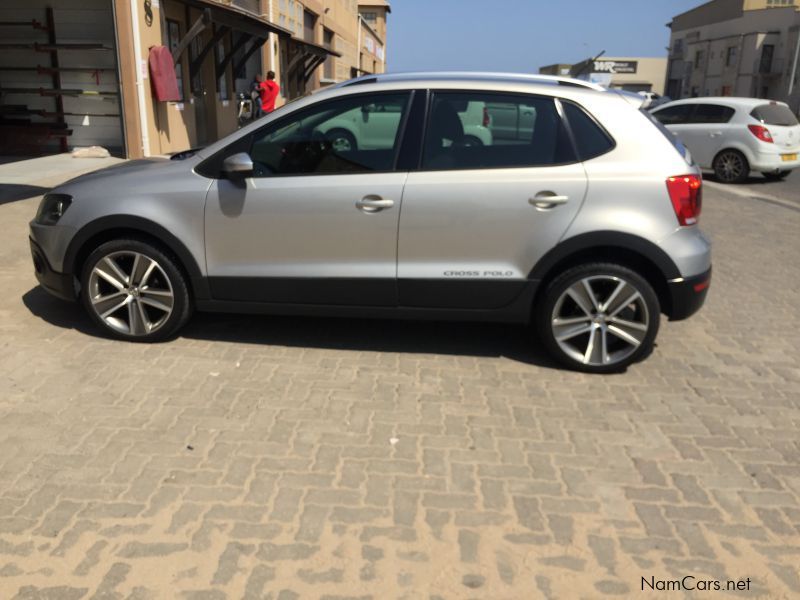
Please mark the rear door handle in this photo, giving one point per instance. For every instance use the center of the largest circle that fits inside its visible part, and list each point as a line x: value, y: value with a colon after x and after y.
x: 715, y: 133
x: 545, y: 200
x: 374, y: 204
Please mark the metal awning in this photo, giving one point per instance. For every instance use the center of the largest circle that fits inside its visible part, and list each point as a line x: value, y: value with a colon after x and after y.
x: 237, y: 18
x: 307, y: 57
x: 253, y: 31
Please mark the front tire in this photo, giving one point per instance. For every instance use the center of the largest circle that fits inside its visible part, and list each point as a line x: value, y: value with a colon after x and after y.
x: 731, y: 166
x: 135, y: 291
x: 598, y: 317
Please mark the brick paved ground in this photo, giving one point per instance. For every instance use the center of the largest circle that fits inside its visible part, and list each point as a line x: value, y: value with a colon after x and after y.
x: 298, y: 458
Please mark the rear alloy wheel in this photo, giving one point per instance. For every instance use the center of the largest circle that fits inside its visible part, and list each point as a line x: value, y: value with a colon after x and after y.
x: 731, y: 166
x: 598, y: 318
x: 774, y: 176
x: 135, y: 291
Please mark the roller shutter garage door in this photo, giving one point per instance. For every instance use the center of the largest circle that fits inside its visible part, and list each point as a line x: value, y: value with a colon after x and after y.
x: 59, y: 85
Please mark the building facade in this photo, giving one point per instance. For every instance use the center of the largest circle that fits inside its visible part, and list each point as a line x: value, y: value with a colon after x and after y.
x: 635, y: 74
x: 80, y: 72
x: 736, y: 48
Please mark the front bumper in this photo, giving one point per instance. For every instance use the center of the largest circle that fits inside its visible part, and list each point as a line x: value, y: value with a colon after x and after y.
x: 58, y: 284
x: 687, y: 295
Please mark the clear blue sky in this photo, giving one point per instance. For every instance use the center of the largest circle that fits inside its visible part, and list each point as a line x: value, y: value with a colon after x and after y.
x: 522, y: 35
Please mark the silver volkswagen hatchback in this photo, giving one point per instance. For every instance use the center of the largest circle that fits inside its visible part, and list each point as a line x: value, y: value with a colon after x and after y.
x: 578, y: 215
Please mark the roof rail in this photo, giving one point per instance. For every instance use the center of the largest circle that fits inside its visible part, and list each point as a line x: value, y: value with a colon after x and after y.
x: 534, y: 78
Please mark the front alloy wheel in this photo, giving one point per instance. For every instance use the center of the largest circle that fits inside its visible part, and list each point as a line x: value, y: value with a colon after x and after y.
x: 134, y: 291
x: 599, y: 318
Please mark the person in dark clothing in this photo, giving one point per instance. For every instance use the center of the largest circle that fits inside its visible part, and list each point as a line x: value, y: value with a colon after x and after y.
x: 255, y: 96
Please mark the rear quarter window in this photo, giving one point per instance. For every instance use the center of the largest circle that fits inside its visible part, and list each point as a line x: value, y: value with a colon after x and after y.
x: 591, y: 139
x: 774, y: 114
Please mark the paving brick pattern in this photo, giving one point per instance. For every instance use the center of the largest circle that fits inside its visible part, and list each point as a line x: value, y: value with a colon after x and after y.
x: 300, y: 458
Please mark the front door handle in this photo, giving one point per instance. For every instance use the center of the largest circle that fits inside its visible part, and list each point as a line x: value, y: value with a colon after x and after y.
x: 546, y: 200
x: 373, y: 204
x: 715, y: 134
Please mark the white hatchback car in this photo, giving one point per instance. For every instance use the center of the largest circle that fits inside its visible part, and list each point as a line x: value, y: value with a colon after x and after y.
x: 733, y: 136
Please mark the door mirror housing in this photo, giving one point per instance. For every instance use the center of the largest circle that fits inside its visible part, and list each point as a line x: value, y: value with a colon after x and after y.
x: 238, y: 166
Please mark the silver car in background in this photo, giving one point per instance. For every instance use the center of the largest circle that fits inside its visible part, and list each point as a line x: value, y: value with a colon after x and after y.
x: 576, y: 214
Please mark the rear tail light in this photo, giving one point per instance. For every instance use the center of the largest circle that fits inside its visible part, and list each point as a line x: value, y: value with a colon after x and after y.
x: 486, y: 119
x: 761, y: 133
x: 686, y: 193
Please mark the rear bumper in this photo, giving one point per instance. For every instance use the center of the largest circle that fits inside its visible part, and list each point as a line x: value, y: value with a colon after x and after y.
x: 58, y: 284
x: 688, y: 295
x: 770, y: 163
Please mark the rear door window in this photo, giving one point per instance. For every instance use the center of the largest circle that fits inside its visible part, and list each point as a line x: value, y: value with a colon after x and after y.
x: 712, y: 113
x: 462, y: 135
x: 674, y: 115
x: 591, y: 140
x: 774, y: 114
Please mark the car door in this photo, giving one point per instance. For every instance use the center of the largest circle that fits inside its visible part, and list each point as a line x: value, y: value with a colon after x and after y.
x: 705, y: 133
x: 476, y: 219
x: 312, y: 223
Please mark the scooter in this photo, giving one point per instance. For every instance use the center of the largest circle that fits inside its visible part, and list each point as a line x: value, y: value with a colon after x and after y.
x: 244, y: 111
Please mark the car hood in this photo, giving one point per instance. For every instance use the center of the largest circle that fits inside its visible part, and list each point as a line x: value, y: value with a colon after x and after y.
x: 135, y: 174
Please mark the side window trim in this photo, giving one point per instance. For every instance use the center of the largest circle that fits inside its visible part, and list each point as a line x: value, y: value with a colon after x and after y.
x: 409, y: 157
x: 568, y: 128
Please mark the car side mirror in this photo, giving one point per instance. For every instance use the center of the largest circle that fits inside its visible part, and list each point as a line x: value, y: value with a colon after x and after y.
x: 238, y: 166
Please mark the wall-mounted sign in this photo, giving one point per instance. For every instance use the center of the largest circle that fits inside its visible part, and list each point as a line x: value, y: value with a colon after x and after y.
x: 615, y: 66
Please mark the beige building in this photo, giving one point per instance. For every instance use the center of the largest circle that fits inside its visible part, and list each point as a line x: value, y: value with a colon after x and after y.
x: 78, y: 72
x: 635, y: 74
x: 736, y: 48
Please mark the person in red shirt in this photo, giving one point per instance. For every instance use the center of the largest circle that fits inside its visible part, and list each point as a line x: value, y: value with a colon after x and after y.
x: 269, y: 93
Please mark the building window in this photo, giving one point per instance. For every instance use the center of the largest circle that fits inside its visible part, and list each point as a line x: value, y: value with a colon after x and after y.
x: 767, y: 52
x: 726, y: 90
x: 197, y: 81
x: 730, y: 57
x: 370, y: 17
x: 174, y: 38
x: 330, y: 65
x: 222, y: 82
x: 309, y: 26
x: 698, y: 59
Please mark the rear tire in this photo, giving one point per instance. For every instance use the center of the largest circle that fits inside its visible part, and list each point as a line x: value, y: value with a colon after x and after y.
x: 135, y: 291
x: 776, y: 176
x: 342, y: 140
x: 731, y: 166
x: 598, y: 317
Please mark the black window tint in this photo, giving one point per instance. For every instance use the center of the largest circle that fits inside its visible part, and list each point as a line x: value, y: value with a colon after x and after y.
x: 774, y: 114
x: 674, y: 115
x: 590, y: 138
x: 712, y: 113
x: 480, y: 130
x: 358, y: 134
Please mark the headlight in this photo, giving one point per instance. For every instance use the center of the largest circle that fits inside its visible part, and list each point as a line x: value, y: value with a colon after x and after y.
x: 52, y: 208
